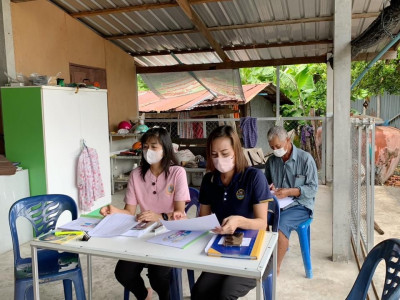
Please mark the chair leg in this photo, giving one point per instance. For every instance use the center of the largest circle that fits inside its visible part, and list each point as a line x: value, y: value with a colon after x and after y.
x: 175, y: 285
x: 267, y: 287
x: 79, y: 286
x: 126, y: 294
x: 304, y: 238
x: 190, y: 274
x: 67, y: 289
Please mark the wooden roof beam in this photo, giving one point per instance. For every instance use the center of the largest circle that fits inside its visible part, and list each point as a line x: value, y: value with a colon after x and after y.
x: 235, y: 48
x: 131, y: 8
x: 192, y: 15
x: 232, y: 65
x: 239, y: 26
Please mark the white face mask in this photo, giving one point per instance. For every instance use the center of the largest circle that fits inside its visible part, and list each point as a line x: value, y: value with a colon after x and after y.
x: 224, y: 164
x: 280, y: 152
x: 152, y: 157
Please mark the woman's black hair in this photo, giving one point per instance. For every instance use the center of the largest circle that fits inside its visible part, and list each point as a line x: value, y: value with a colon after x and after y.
x: 161, y: 134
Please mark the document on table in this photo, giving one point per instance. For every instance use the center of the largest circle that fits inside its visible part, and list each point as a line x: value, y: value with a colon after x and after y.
x: 284, y: 201
x: 113, y: 225
x: 81, y: 224
x: 196, y: 224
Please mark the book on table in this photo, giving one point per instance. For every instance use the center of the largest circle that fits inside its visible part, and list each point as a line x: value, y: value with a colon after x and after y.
x: 250, y: 247
x: 51, y: 237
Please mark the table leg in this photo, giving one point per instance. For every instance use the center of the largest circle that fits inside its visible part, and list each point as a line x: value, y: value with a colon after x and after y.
x: 259, y: 291
x: 89, y: 274
x: 35, y: 273
x: 274, y: 265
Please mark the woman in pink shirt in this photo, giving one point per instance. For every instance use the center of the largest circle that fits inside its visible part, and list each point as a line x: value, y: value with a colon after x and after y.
x: 160, y: 188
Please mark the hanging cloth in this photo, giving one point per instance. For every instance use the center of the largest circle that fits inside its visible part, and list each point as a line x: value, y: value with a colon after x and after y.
x: 90, y: 184
x: 249, y: 131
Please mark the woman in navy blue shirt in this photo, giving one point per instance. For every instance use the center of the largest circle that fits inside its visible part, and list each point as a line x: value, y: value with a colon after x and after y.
x: 239, y: 197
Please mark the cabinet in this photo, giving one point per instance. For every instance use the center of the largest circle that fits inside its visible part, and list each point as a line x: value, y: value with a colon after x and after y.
x: 13, y: 188
x: 44, y: 129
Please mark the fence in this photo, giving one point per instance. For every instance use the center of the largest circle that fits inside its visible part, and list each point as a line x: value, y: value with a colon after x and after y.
x: 307, y: 133
x: 363, y: 174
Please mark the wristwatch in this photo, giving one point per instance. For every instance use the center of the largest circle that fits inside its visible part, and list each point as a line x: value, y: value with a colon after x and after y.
x: 164, y: 216
x: 299, y: 189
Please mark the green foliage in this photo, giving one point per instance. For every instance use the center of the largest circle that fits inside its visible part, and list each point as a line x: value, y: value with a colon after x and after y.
x: 140, y: 84
x: 304, y: 85
x: 383, y: 76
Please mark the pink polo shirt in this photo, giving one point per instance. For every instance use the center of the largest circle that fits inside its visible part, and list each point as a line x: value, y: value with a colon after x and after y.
x: 157, y: 193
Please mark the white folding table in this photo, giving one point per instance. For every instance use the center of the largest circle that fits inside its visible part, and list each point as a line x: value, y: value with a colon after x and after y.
x: 139, y: 250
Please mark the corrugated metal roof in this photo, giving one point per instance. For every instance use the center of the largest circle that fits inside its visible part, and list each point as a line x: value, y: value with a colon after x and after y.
x: 305, y: 21
x: 148, y: 101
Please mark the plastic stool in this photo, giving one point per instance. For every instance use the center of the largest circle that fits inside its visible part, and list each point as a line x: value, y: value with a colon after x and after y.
x: 303, y: 232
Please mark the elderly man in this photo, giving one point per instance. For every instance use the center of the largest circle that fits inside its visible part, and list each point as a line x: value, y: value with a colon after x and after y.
x: 293, y: 177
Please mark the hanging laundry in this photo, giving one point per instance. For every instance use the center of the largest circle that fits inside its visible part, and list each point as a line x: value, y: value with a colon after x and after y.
x: 249, y: 131
x: 90, y: 184
x: 197, y: 130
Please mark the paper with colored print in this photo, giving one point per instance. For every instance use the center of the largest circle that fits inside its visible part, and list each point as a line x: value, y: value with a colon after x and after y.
x: 177, y: 238
x: 196, y: 224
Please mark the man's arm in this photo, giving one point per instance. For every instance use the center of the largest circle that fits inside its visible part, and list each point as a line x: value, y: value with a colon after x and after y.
x: 310, y: 186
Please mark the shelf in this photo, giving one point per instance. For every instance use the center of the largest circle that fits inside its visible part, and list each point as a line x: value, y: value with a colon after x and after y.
x: 195, y: 170
x: 126, y: 157
x: 137, y: 135
x: 121, y: 180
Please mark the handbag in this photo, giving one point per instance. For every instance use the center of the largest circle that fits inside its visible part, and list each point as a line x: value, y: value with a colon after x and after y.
x: 255, y: 157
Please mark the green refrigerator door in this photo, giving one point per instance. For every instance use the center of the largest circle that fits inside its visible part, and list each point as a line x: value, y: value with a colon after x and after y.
x: 23, y: 133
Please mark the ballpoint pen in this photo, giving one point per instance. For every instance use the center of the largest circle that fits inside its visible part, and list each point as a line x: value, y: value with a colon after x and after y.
x: 57, y: 233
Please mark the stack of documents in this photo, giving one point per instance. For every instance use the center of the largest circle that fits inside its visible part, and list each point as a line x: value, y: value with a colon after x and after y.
x: 183, y: 233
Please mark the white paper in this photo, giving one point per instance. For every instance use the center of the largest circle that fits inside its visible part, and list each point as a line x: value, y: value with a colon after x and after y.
x: 284, y: 201
x: 196, y: 224
x: 81, y: 224
x: 139, y: 233
x: 113, y: 225
x: 177, y: 239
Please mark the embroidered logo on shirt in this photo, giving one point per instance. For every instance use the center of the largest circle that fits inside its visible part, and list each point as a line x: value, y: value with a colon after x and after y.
x: 240, y: 194
x: 170, y: 189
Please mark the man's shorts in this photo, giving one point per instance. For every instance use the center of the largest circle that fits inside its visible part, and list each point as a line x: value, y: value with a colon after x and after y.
x: 292, y: 217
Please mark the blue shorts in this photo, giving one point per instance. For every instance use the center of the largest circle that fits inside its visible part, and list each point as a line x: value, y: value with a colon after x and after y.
x: 292, y: 217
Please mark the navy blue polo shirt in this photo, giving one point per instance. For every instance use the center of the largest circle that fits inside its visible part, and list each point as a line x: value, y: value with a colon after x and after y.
x: 246, y: 189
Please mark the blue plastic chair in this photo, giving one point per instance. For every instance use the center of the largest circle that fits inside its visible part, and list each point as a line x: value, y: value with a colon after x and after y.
x: 43, y: 212
x: 175, y: 284
x: 303, y: 231
x: 389, y: 250
x: 194, y: 200
x: 273, y: 220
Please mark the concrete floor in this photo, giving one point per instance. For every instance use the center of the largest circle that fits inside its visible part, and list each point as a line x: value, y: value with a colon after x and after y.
x: 331, y: 280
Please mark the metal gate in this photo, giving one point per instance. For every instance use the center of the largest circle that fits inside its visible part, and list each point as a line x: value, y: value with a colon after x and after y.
x: 363, y: 176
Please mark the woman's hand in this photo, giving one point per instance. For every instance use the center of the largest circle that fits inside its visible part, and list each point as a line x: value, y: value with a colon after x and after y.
x: 108, y: 210
x: 178, y: 215
x: 229, y: 225
x: 148, y: 216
